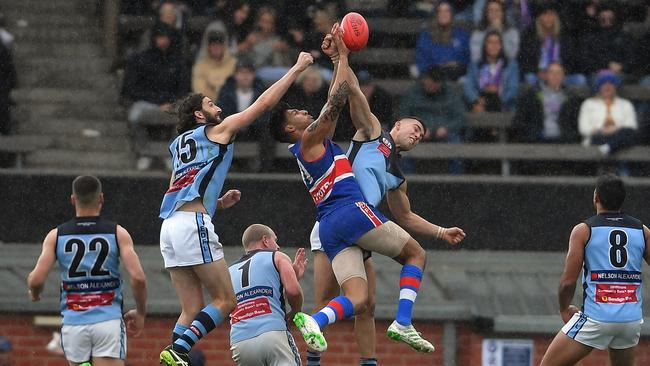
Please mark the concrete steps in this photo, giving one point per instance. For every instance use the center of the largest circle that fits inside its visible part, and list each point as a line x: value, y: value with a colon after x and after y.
x: 64, y: 66
x: 71, y: 159
x: 76, y: 127
x: 61, y: 81
x: 58, y: 95
x: 24, y: 49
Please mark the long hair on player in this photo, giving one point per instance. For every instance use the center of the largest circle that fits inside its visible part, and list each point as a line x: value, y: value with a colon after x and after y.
x: 186, y: 109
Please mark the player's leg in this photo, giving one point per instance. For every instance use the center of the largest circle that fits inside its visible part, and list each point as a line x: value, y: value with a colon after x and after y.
x: 325, y: 288
x: 622, y: 357
x: 190, y: 294
x: 564, y: 351
x: 107, y: 361
x: 350, y: 274
x: 215, y: 278
x: 364, y: 323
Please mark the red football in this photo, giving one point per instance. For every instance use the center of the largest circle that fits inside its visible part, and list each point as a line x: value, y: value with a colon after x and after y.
x: 355, y: 31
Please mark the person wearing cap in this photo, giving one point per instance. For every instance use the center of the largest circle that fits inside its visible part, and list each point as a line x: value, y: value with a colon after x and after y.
x: 5, y: 351
x: 440, y: 107
x: 606, y: 120
x: 210, y: 72
x: 238, y: 92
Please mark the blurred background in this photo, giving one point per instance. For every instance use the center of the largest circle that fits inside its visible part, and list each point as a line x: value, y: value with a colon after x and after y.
x: 526, y: 102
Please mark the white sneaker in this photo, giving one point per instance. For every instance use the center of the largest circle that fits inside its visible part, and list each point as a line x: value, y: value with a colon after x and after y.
x: 310, y: 332
x: 410, y: 336
x: 143, y: 163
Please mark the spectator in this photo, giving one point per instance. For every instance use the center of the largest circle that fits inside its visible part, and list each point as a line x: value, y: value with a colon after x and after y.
x: 153, y: 80
x: 6, y: 37
x: 439, y: 106
x: 443, y: 45
x: 5, y: 352
x: 310, y: 40
x: 607, y: 120
x: 547, y: 112
x: 544, y: 43
x: 494, y: 19
x: 608, y: 47
x: 8, y: 81
x: 210, y: 73
x: 170, y: 16
x: 517, y: 12
x: 492, y: 83
x: 239, y: 22
x: 237, y: 94
x: 269, y: 52
x: 309, y: 92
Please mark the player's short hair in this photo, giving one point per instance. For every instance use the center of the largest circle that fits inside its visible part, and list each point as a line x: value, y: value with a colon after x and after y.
x: 254, y: 233
x: 86, y: 190
x: 278, y: 121
x: 611, y: 192
x: 186, y: 119
x: 424, y: 127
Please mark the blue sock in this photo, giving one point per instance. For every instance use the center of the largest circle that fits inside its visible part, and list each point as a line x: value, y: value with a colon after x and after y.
x: 178, y: 331
x: 409, y: 284
x: 313, y: 358
x: 206, y: 320
x: 368, y: 362
x: 338, y: 308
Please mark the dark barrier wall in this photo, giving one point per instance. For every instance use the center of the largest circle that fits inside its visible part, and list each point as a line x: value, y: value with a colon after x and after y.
x: 495, y: 213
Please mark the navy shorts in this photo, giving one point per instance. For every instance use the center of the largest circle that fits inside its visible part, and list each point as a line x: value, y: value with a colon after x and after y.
x: 342, y: 227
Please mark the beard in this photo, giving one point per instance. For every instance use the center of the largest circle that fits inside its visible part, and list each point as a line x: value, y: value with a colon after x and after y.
x: 211, y: 119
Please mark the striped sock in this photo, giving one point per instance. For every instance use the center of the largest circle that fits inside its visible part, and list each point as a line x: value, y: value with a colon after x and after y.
x: 178, y: 331
x: 205, y: 321
x: 368, y: 362
x: 313, y: 358
x: 409, y: 284
x: 338, y: 308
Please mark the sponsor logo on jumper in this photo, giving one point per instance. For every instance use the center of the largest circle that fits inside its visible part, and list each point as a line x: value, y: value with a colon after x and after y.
x: 256, y: 291
x: 616, y: 276
x: 614, y: 218
x: 250, y: 309
x: 91, y: 285
x: 86, y: 224
x: 83, y: 302
x: 616, y: 294
x: 385, y: 150
x: 185, y: 177
x: 340, y: 169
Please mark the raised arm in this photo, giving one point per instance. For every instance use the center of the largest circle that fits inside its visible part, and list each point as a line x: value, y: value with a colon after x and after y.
x: 36, y: 279
x: 232, y: 124
x: 134, y: 318
x: 572, y: 267
x: 400, y: 207
x: 289, y: 280
x: 365, y: 122
x: 312, y: 139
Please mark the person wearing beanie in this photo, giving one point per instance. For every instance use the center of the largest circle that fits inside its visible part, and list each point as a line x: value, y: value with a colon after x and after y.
x: 607, y: 120
x: 217, y: 65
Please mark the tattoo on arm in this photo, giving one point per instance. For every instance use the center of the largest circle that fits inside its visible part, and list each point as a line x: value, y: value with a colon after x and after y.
x: 334, y: 106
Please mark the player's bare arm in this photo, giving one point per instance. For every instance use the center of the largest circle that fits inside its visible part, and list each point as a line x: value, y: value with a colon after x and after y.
x: 226, y: 130
x: 36, y: 279
x: 289, y: 280
x: 134, y: 319
x: 312, y: 139
x: 572, y: 267
x: 646, y: 235
x: 365, y: 122
x: 400, y: 206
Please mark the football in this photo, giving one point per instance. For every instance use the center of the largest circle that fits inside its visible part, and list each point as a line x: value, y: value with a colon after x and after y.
x: 355, y: 31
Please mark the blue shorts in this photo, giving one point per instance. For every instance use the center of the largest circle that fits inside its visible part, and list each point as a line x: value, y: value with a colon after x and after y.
x: 342, y: 227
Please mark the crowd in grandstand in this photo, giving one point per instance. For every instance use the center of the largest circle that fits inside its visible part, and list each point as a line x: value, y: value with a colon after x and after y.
x: 536, y: 59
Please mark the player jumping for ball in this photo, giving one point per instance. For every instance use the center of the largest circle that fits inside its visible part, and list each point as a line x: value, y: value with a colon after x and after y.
x: 347, y: 222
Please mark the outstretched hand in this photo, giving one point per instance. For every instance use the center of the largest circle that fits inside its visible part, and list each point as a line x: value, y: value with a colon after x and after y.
x: 329, y: 46
x: 305, y: 59
x: 453, y: 235
x: 230, y: 198
x: 337, y: 34
x: 300, y: 263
